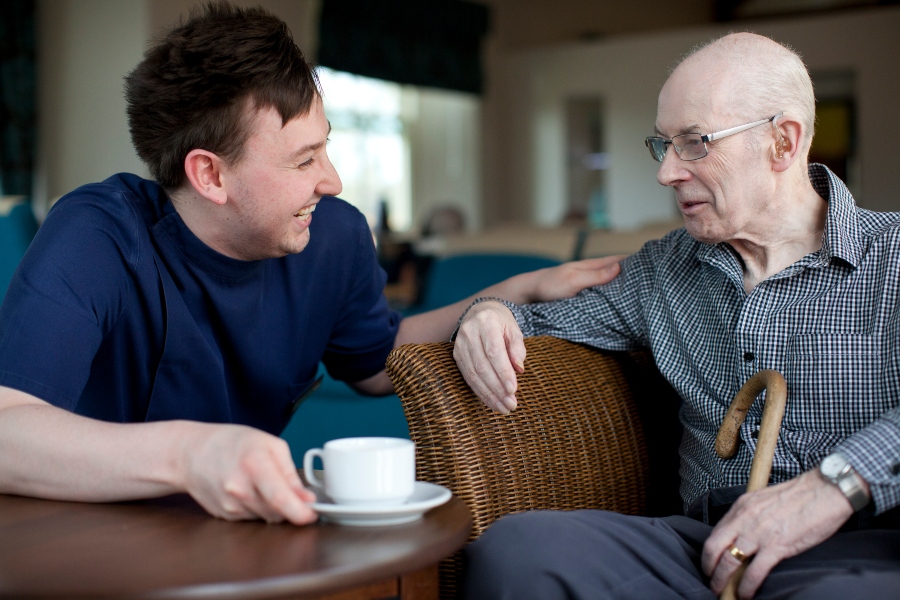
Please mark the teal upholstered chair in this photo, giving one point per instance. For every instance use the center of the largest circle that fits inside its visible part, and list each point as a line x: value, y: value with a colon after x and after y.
x: 334, y: 411
x: 453, y: 278
x: 17, y: 228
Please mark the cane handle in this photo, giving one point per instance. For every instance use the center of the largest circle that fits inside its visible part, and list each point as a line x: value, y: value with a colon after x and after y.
x: 727, y: 440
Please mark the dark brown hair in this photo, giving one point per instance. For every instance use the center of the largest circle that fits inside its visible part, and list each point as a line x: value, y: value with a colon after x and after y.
x: 197, y: 87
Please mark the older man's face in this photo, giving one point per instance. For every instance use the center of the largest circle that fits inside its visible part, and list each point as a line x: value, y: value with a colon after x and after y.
x: 723, y: 195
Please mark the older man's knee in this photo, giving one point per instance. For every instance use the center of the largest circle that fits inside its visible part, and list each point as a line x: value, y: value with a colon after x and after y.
x: 518, y: 540
x: 539, y: 554
x: 513, y: 558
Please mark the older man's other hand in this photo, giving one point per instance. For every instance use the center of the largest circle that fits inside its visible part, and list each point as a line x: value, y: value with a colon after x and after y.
x: 489, y: 352
x: 770, y: 525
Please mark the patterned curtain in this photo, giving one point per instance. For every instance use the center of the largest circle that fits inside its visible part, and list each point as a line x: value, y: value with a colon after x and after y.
x: 432, y: 43
x: 17, y: 97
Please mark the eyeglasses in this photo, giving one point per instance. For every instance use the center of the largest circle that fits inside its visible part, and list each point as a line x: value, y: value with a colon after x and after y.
x: 692, y: 146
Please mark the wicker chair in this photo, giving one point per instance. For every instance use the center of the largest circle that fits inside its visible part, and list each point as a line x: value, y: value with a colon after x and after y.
x: 575, y: 441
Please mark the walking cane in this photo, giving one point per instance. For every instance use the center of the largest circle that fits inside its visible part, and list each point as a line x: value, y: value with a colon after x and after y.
x: 727, y: 440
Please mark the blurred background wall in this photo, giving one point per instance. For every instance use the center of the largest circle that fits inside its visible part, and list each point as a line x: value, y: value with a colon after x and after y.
x: 525, y: 109
x: 512, y: 157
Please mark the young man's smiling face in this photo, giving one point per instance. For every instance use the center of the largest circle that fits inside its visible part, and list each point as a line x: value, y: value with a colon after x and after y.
x: 273, y: 189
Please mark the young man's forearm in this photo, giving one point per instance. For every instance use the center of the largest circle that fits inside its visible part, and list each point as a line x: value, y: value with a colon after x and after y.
x: 233, y: 471
x: 50, y: 453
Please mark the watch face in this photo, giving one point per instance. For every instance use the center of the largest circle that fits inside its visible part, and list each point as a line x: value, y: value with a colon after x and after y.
x: 832, y: 466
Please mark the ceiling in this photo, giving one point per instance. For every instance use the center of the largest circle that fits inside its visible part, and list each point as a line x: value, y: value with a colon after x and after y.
x: 528, y: 23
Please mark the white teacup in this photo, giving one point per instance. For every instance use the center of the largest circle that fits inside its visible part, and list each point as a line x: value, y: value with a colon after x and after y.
x: 365, y: 470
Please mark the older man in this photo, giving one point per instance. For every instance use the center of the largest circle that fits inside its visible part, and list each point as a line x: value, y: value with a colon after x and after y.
x: 158, y: 333
x: 776, y: 268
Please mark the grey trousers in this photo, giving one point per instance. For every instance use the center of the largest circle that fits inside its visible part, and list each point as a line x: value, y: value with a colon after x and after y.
x: 592, y: 554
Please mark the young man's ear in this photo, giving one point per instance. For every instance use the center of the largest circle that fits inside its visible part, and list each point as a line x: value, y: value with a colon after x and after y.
x: 788, y: 137
x: 204, y: 171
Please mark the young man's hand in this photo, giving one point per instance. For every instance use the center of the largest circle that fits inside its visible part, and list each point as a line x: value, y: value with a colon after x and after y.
x: 237, y: 472
x: 233, y: 471
x: 567, y: 279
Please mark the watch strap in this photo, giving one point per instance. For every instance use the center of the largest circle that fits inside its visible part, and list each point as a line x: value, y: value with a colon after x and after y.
x: 837, y: 470
x: 850, y: 483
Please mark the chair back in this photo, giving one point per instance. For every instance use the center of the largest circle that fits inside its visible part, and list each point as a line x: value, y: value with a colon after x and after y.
x: 574, y: 442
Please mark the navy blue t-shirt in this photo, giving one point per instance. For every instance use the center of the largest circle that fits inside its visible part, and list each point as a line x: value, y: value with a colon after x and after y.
x: 119, y: 312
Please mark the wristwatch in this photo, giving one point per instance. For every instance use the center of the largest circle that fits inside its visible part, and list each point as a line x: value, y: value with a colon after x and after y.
x: 836, y: 470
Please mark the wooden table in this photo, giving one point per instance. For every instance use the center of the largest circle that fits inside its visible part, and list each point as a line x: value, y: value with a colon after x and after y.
x: 170, y: 548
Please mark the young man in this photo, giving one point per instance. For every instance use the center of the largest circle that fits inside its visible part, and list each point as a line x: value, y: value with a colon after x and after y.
x: 776, y: 268
x: 157, y: 333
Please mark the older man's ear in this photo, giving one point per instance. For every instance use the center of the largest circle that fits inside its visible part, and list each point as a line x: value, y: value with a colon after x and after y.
x: 787, y: 144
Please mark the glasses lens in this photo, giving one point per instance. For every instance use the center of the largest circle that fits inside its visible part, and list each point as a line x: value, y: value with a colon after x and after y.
x: 657, y: 147
x: 689, y: 146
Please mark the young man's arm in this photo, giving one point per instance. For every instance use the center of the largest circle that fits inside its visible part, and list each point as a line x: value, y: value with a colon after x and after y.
x: 234, y: 472
x: 542, y: 285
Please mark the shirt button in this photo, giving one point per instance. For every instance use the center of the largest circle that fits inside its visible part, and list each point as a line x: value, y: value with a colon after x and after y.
x: 748, y: 356
x: 896, y: 469
x: 755, y: 434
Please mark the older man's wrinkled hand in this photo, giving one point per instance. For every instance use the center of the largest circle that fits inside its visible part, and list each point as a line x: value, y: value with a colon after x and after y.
x: 490, y: 351
x: 770, y: 525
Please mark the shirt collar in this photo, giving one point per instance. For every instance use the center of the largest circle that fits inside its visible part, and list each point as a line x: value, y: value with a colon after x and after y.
x: 842, y: 236
x: 197, y: 253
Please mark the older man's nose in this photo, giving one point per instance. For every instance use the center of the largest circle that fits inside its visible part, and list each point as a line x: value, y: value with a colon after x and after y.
x: 671, y: 170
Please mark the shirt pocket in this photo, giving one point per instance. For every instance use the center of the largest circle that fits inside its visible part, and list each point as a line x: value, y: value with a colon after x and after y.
x: 834, y: 384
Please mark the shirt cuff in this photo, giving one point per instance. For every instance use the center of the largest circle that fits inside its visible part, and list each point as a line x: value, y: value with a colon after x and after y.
x: 874, y: 453
x: 514, y: 308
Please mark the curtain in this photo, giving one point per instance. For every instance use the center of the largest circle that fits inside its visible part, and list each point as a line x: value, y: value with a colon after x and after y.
x: 433, y: 43
x: 17, y: 96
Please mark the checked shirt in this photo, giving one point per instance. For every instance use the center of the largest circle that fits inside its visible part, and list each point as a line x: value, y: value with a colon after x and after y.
x: 830, y: 323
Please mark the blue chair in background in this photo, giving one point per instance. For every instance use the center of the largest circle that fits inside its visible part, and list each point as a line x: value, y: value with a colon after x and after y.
x: 453, y: 278
x: 335, y: 410
x: 17, y: 229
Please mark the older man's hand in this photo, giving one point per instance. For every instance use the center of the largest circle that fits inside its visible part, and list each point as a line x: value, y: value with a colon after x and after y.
x: 770, y: 525
x: 490, y: 351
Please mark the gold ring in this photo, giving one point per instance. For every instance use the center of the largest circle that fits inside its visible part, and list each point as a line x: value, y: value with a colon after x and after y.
x: 736, y: 552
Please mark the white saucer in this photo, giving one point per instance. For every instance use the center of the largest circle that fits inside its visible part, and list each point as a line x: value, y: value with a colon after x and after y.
x: 425, y: 496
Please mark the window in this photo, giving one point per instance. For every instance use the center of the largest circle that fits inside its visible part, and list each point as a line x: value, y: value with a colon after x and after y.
x: 369, y: 145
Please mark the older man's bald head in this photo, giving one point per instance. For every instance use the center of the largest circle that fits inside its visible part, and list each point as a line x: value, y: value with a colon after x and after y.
x: 749, y: 76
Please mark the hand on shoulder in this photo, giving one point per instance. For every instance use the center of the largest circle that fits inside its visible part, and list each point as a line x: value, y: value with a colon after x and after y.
x: 569, y: 278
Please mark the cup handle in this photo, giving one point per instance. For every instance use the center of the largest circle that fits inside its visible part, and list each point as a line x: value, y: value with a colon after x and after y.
x: 308, y: 466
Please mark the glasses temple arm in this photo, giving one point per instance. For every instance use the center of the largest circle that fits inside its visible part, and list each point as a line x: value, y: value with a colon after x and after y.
x: 721, y: 134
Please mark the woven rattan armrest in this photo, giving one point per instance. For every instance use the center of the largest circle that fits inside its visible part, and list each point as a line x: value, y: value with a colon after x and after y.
x: 575, y: 440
